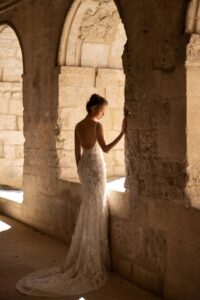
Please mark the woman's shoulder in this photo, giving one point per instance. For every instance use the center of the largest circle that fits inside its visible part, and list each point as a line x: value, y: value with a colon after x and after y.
x: 99, y: 124
x: 79, y: 124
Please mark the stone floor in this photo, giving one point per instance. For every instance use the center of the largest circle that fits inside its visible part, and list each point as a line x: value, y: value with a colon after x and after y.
x: 23, y: 249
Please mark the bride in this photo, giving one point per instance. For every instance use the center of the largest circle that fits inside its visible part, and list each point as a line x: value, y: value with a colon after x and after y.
x: 87, y: 264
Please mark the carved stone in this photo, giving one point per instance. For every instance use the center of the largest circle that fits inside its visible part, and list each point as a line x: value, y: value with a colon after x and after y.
x: 193, y: 49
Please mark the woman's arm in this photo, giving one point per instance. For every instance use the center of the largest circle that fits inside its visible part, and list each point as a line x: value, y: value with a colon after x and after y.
x: 77, y: 146
x: 101, y: 140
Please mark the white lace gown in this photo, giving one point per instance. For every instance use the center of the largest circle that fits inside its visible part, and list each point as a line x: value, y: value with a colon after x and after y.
x: 87, y: 263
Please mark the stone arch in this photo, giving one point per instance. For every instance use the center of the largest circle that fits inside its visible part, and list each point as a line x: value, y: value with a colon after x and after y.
x: 192, y: 117
x: 95, y: 22
x: 91, y: 47
x: 11, y: 108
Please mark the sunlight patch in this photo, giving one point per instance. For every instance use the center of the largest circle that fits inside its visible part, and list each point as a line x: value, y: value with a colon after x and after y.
x: 12, y: 195
x: 116, y: 185
x: 4, y: 226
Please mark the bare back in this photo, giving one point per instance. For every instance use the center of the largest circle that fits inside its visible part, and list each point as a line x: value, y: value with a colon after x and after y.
x: 86, y: 132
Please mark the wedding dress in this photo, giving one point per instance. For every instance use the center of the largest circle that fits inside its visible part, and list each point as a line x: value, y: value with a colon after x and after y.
x: 87, y: 263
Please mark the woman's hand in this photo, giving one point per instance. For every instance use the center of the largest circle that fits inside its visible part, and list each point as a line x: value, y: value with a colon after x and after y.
x: 124, y: 125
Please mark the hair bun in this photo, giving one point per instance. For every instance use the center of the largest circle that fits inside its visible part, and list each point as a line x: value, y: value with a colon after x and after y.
x: 95, y: 100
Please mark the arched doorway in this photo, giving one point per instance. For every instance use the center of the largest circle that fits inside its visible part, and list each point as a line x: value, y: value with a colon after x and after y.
x: 91, y: 47
x: 11, y: 112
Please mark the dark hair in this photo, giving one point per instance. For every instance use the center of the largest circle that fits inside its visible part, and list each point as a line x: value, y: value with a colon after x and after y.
x: 95, y: 100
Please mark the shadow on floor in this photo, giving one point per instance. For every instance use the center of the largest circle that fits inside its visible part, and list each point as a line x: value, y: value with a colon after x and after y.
x: 24, y: 249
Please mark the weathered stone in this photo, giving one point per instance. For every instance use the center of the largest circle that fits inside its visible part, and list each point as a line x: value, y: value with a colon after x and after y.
x: 3, y: 104
x: 74, y: 76
x: 12, y: 137
x: 115, y: 96
x: 1, y: 148
x: 193, y: 89
x: 148, y: 280
x: 68, y: 173
x: 70, y: 117
x: 19, y: 151
x: 117, y: 117
x: 17, y: 96
x: 20, y: 124
x: 171, y: 143
x: 109, y: 77
x: 8, y: 122
x: 12, y: 75
x: 15, y: 107
x: 119, y: 204
x: 9, y: 151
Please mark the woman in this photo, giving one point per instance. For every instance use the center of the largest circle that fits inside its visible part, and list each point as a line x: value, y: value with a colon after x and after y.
x: 86, y: 266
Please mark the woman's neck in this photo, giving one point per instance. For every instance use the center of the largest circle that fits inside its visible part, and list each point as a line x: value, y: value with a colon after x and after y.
x: 90, y: 118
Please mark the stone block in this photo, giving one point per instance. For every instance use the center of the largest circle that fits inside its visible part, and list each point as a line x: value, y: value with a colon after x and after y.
x: 8, y: 162
x: 12, y: 137
x: 76, y: 76
x: 178, y: 107
x: 119, y: 170
x: 19, y: 151
x: 3, y: 104
x: 84, y: 94
x: 193, y: 114
x: 182, y: 277
x: 125, y: 268
x: 193, y: 145
x: 117, y: 117
x: 65, y: 140
x: 1, y: 73
x: 95, y: 54
x: 109, y: 170
x: 119, y: 204
x: 12, y: 74
x: 16, y: 107
x: 9, y: 151
x: 171, y: 143
x: 115, y: 96
x: 11, y: 175
x: 17, y: 96
x: 68, y: 118
x: 1, y: 148
x: 68, y: 173
x: 7, y: 95
x: 193, y: 86
x: 147, y: 280
x: 10, y: 86
x: 66, y: 158
x: 107, y: 121
x: 6, y: 52
x: 20, y: 123
x: 8, y: 122
x: 119, y: 157
x: 74, y: 97
x: 121, y: 230
x: 68, y: 97
x: 110, y: 77
x: 170, y: 85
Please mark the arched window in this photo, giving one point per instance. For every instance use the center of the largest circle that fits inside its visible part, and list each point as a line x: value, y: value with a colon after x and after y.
x: 11, y: 110
x: 91, y: 47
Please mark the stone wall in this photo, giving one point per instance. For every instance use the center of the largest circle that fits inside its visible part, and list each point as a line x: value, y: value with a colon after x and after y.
x: 154, y: 231
x: 11, y: 109
x: 76, y: 84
